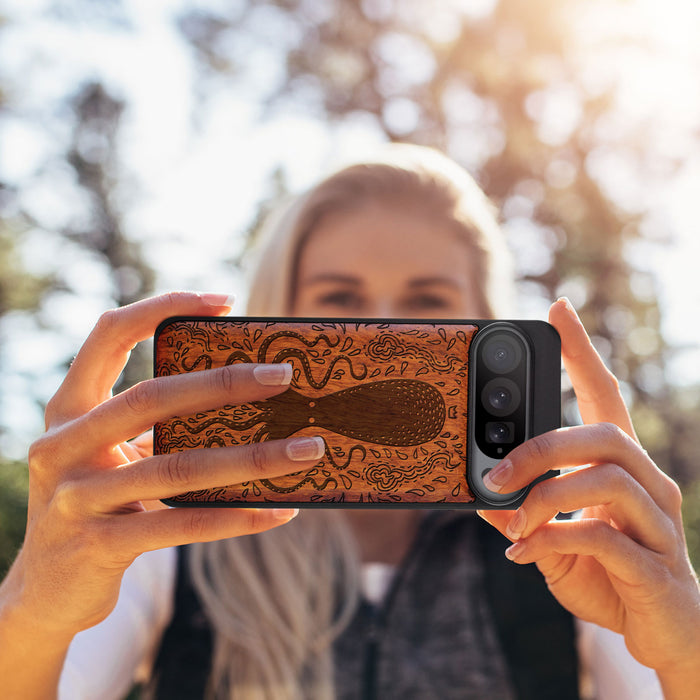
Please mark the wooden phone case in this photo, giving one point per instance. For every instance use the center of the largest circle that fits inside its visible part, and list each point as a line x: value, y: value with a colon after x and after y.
x: 390, y: 400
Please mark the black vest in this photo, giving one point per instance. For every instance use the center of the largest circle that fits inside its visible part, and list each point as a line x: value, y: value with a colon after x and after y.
x: 534, y: 635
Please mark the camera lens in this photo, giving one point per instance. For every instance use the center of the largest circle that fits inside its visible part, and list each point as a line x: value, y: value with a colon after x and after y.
x: 502, y: 353
x: 500, y: 396
x: 499, y: 432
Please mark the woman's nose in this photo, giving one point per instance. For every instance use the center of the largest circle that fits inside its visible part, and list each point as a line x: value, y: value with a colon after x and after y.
x: 382, y: 308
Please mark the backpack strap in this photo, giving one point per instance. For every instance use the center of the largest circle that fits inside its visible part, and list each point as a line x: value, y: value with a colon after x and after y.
x: 536, y: 633
x: 183, y: 664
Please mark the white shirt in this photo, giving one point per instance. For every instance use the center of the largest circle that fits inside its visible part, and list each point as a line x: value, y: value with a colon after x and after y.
x: 104, y: 661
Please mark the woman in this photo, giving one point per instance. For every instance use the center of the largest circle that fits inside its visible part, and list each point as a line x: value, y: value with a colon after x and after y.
x: 410, y: 236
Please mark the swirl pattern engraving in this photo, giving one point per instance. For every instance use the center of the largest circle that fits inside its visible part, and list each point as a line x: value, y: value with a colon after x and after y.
x: 387, y: 347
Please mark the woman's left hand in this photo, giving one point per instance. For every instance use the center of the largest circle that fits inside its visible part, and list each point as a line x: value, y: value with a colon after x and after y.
x: 623, y: 564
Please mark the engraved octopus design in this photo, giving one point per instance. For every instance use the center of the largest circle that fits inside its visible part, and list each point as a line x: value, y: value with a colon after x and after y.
x: 393, y: 412
x: 397, y: 412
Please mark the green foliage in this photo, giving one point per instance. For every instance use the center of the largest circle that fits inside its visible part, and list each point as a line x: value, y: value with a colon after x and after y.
x: 691, y: 521
x: 18, y: 289
x: 14, y: 483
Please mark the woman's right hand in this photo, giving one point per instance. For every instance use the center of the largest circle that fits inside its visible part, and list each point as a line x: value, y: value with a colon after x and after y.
x: 87, y: 520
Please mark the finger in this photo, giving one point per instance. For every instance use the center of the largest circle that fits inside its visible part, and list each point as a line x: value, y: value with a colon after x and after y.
x: 497, y: 518
x: 614, y: 550
x: 154, y: 400
x: 138, y: 448
x: 579, y: 445
x: 169, y: 475
x: 141, y: 532
x: 102, y: 357
x: 606, y: 486
x: 131, y: 452
x: 596, y: 388
x: 143, y: 444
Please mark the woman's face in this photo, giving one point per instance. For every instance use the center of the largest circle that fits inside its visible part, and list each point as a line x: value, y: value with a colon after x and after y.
x: 385, y: 261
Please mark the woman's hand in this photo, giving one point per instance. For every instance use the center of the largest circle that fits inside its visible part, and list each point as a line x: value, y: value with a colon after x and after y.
x: 623, y: 564
x: 86, y: 517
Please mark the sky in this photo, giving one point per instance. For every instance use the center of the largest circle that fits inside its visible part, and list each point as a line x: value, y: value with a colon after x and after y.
x: 190, y: 185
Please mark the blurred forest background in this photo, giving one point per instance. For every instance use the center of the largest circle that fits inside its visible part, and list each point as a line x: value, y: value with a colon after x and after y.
x: 580, y: 119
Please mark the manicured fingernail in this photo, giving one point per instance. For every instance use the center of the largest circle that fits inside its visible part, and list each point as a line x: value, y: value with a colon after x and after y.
x: 273, y: 375
x: 218, y: 299
x: 515, y: 550
x: 499, y: 476
x: 285, y: 514
x: 306, y: 448
x: 569, y: 306
x: 517, y: 525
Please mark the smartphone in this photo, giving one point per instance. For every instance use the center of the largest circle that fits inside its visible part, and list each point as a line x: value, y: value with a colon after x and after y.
x: 413, y: 413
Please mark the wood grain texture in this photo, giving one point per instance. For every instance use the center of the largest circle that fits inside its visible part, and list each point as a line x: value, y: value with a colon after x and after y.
x: 389, y: 400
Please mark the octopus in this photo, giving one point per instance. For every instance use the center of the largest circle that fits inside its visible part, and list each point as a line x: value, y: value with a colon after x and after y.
x: 396, y: 412
x: 392, y: 412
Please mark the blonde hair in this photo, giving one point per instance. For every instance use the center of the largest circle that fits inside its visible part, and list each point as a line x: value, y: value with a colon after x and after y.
x: 403, y: 175
x: 277, y: 600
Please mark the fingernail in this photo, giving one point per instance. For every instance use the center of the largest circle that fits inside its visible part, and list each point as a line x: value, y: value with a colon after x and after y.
x: 569, y: 306
x: 499, y: 476
x: 273, y: 375
x: 218, y: 299
x: 285, y: 514
x: 306, y: 448
x: 517, y: 524
x: 515, y: 550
